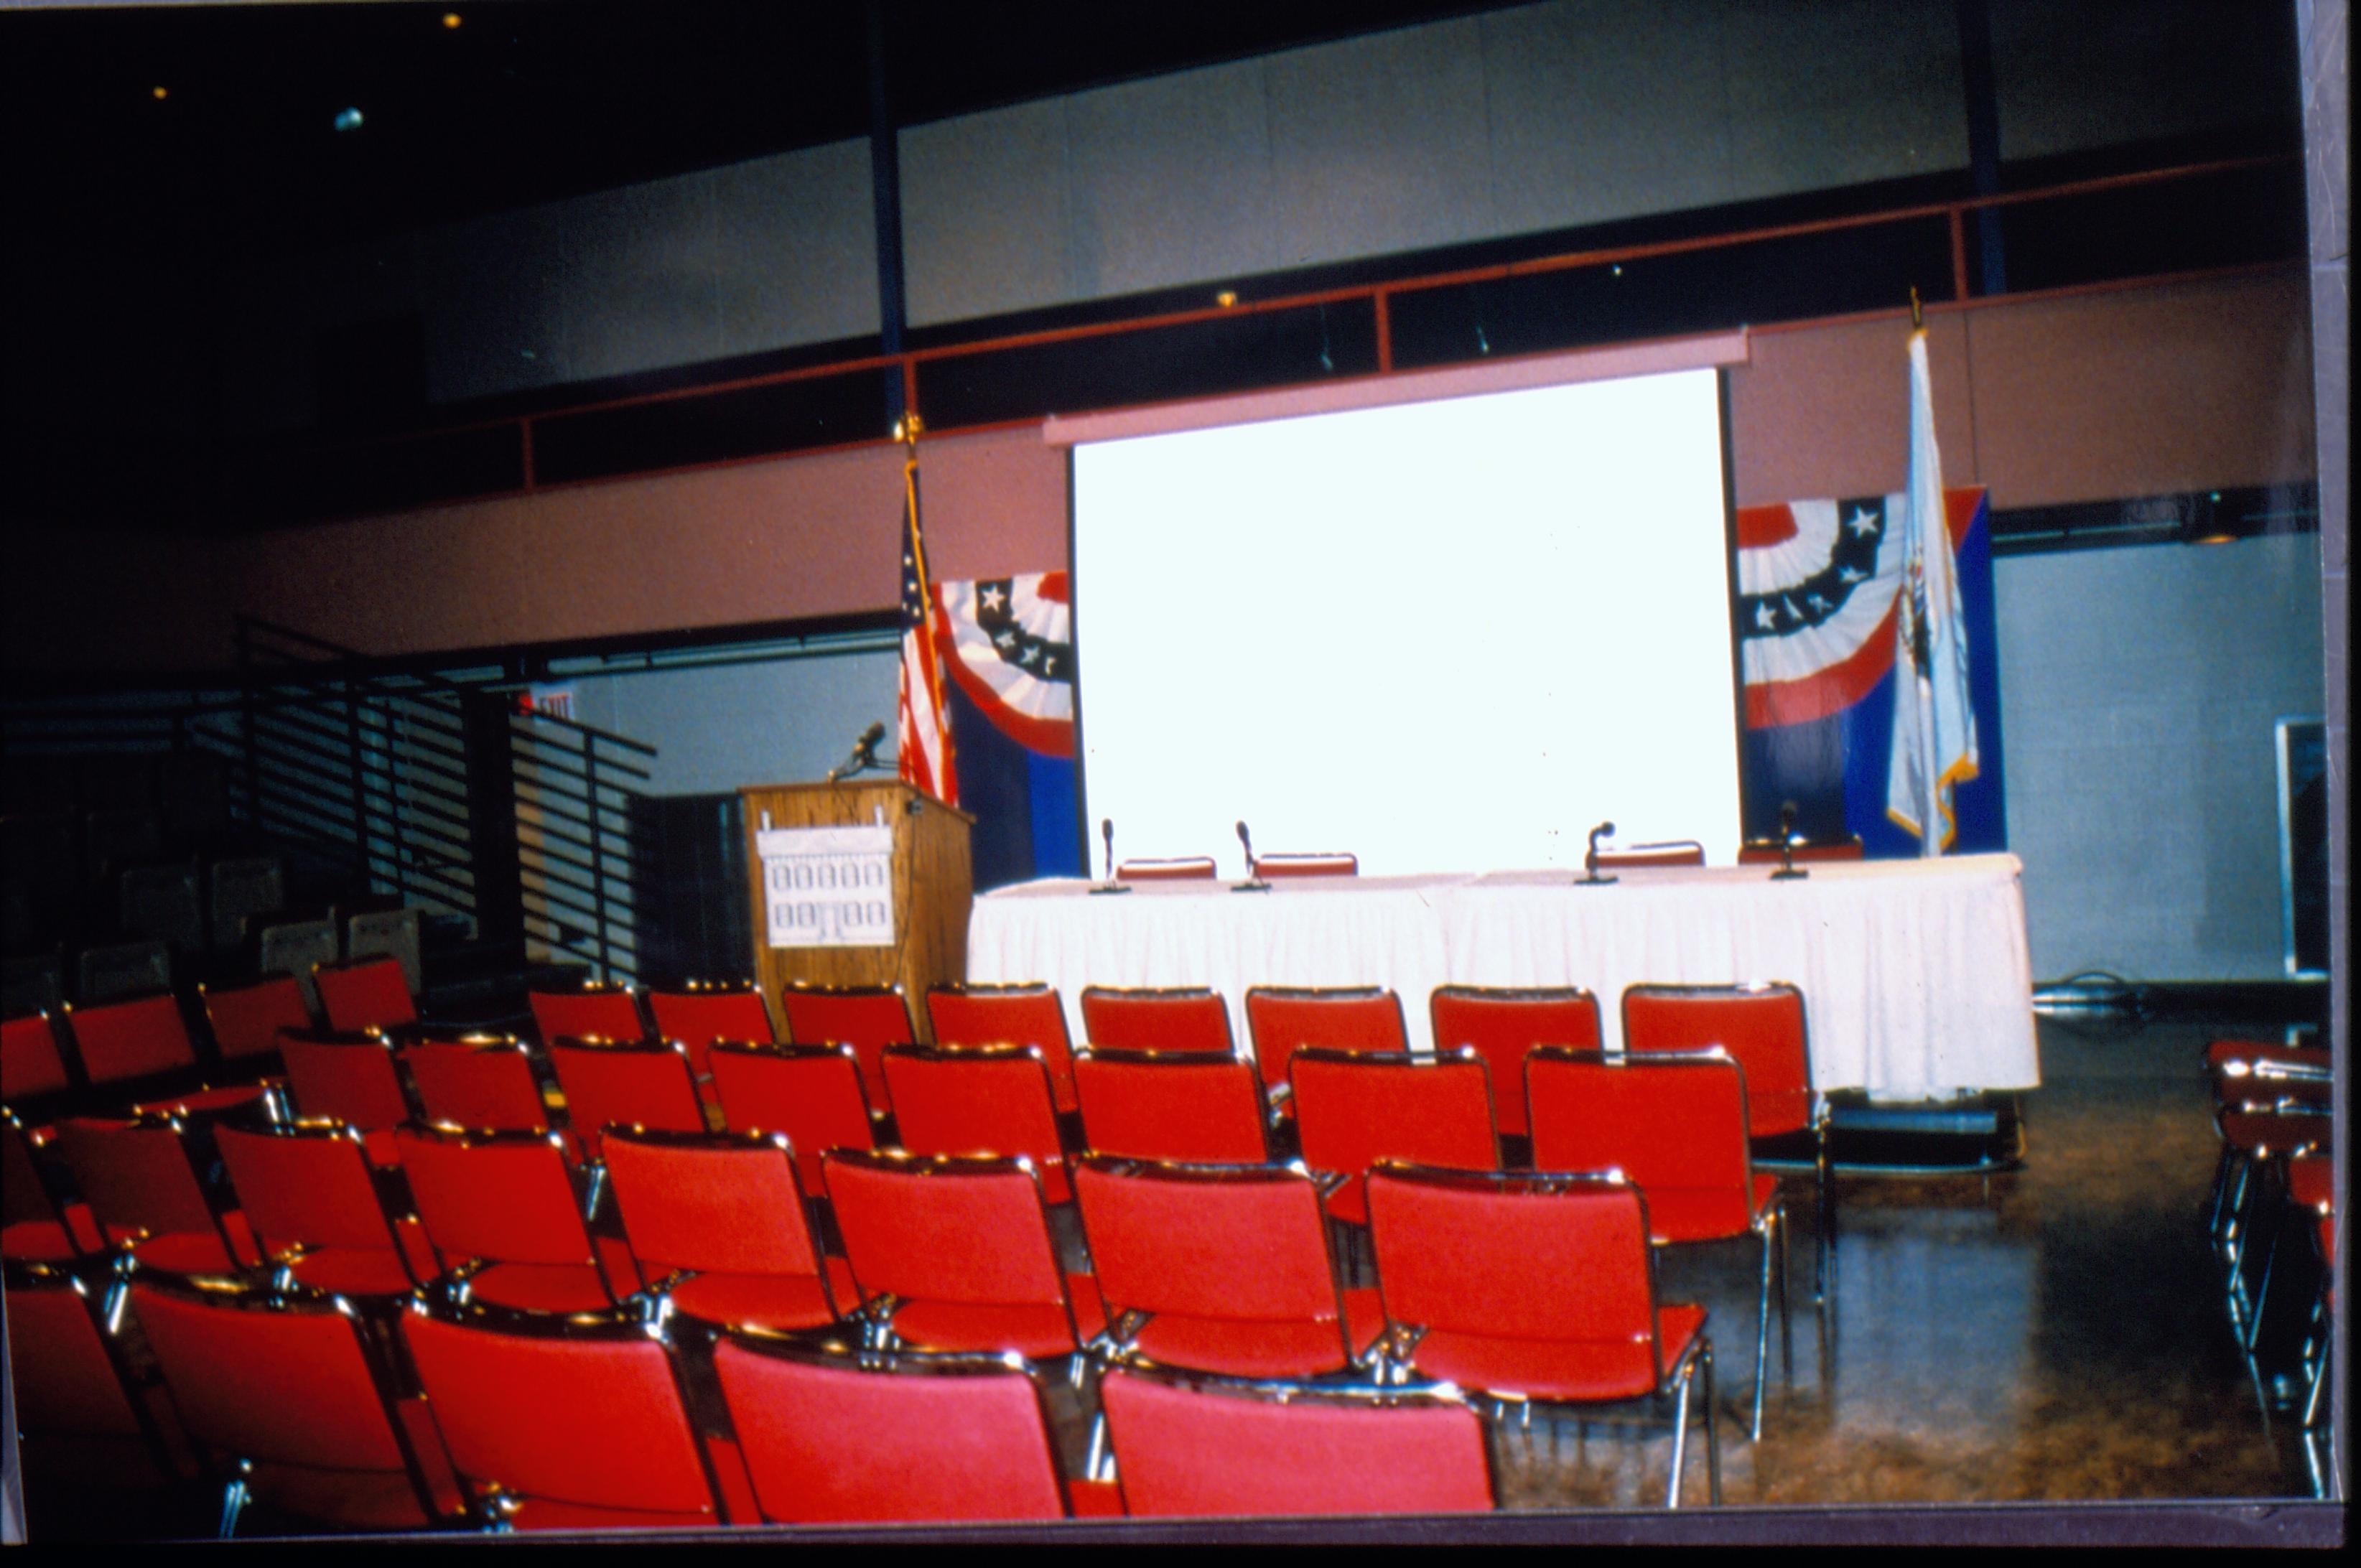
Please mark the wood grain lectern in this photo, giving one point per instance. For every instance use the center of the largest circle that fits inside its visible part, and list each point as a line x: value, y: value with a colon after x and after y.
x: 858, y: 884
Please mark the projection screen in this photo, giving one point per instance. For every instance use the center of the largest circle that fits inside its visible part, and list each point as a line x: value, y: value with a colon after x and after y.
x: 1447, y: 636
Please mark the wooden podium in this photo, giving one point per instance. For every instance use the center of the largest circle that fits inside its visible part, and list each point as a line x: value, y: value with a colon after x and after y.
x: 816, y: 911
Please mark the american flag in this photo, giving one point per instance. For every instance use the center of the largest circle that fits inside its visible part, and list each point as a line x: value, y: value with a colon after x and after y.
x: 926, y: 735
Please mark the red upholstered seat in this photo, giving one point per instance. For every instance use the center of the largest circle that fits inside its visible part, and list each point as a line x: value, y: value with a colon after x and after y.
x: 371, y: 993
x: 32, y: 1062
x: 1770, y: 852
x: 351, y: 1077
x: 867, y: 1017
x: 33, y: 1226
x: 576, y: 1424
x: 962, y: 1246
x: 726, y: 1210
x: 1643, y: 857
x: 1356, y: 1108
x: 77, y: 1407
x: 1222, y: 1268
x: 979, y: 1100
x: 137, y: 1037
x: 625, y: 1084
x: 1008, y: 1015
x: 137, y: 1177
x: 1180, y: 868
x: 700, y: 1014
x: 247, y: 1019
x: 477, y: 1081
x: 1182, y: 1018
x: 1171, y: 1106
x: 1336, y: 863
x: 1535, y: 1287
x: 593, y: 1012
x: 306, y: 1190
x: 503, y: 1213
x: 1502, y: 1024
x: 812, y: 1094
x: 1202, y: 1447
x: 1284, y: 1019
x: 831, y: 1438
x: 292, y: 1389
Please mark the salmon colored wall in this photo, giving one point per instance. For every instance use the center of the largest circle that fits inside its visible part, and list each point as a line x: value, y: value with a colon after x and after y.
x: 2102, y: 394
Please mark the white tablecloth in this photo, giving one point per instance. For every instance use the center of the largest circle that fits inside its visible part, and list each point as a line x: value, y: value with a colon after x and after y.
x: 1916, y: 975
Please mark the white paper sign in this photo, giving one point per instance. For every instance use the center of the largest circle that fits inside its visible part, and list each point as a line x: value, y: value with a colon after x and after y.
x: 827, y: 887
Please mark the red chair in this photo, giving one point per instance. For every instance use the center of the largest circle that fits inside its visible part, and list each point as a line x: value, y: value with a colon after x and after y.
x: 79, y: 1408
x: 349, y: 1076
x: 1283, y: 1019
x: 1761, y: 1026
x: 1183, y: 867
x: 1184, y: 1018
x: 1008, y: 1015
x: 979, y: 1100
x: 308, y: 1194
x: 479, y: 1081
x: 1646, y: 857
x: 290, y: 1400
x: 812, y: 1094
x: 1222, y: 1268
x: 1293, y: 865
x: 505, y: 1218
x: 1356, y: 1108
x: 594, y: 1011
x: 32, y: 1059
x: 1204, y: 1447
x: 951, y: 1253
x: 577, y: 1422
x: 1536, y: 1288
x: 626, y: 1084
x: 1770, y: 852
x: 34, y: 1226
x: 867, y: 1017
x: 141, y: 1186
x: 1171, y: 1106
x: 137, y: 1037
x: 830, y: 1437
x: 371, y: 993
x: 247, y: 1019
x: 1673, y: 1123
x: 1502, y: 1024
x: 719, y: 1225
x: 702, y: 1012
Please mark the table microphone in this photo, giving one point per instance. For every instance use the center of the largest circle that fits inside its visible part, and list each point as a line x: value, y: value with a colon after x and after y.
x: 1591, y: 877
x: 1788, y: 871
x: 864, y: 753
x: 1253, y: 882
x: 1106, y: 833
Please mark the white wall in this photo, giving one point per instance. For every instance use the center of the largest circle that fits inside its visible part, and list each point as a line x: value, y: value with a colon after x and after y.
x: 2139, y: 688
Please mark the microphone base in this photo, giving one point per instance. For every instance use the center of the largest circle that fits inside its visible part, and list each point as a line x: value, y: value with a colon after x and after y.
x: 1593, y: 880
x: 1097, y: 888
x: 1257, y: 886
x: 1789, y: 873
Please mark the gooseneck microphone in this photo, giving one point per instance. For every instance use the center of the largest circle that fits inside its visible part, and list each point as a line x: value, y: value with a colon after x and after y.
x: 1787, y: 870
x: 1253, y: 882
x: 1591, y: 877
x: 1106, y: 836
x: 865, y: 755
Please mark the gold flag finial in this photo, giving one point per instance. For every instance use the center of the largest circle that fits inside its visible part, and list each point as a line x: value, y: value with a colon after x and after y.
x: 1917, y: 311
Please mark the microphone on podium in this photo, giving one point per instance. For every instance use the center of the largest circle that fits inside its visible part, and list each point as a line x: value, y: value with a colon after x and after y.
x: 1106, y: 836
x: 1788, y: 871
x: 865, y: 755
x: 1591, y: 877
x: 1253, y: 882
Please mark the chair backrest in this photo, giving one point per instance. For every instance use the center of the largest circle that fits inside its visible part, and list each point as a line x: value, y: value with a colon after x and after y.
x: 830, y: 1437
x: 1199, y: 1446
x: 1183, y: 1018
x: 136, y: 1178
x: 1284, y: 1018
x: 132, y: 1038
x: 1761, y: 1026
x: 347, y: 1074
x: 306, y: 1184
x: 32, y: 1061
x: 1173, y: 1105
x: 390, y: 932
x: 1356, y: 1108
x: 867, y: 1017
x: 296, y: 948
x: 498, y: 1197
x: 1007, y: 1015
x: 246, y: 1018
x: 476, y: 1081
x: 945, y: 1228
x: 1237, y: 1243
x: 626, y: 1084
x: 580, y: 1420
x: 1640, y: 857
x: 68, y: 1383
x: 1181, y: 868
x: 725, y: 1202
x: 1768, y: 851
x: 371, y: 993
x: 1672, y: 1122
x: 162, y: 903
x: 1331, y: 863
x: 699, y: 1014
x: 120, y: 970
x: 290, y: 1386
x: 812, y: 1094
x: 1502, y: 1024
x: 1558, y: 1258
x: 239, y: 889
x: 594, y: 1011
x: 24, y: 1194
x: 978, y: 1100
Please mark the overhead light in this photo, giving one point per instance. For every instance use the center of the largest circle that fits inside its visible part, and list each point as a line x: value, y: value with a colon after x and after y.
x: 348, y: 119
x: 450, y: 19
x: 158, y: 94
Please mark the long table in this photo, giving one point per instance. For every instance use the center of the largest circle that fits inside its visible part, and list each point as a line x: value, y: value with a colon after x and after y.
x: 1916, y: 979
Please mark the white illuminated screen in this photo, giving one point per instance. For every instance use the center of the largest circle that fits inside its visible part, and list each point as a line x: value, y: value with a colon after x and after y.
x: 1447, y: 636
